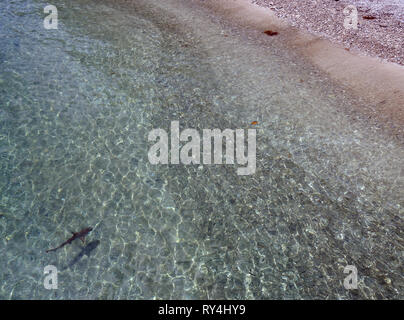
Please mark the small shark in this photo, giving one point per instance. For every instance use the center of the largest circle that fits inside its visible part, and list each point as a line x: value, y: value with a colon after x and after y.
x: 81, y: 235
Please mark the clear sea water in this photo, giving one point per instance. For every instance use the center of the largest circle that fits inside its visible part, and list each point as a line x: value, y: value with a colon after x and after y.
x: 76, y: 107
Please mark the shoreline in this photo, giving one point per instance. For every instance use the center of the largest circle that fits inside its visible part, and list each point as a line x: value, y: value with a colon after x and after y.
x: 380, y: 24
x: 379, y: 84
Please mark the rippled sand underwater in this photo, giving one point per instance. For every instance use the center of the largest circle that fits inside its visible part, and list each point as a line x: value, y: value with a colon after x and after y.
x: 76, y: 107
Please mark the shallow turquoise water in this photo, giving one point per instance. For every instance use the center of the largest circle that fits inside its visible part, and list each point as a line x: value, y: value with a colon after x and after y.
x: 76, y: 107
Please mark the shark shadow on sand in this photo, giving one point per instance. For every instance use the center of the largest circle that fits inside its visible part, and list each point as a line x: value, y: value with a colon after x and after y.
x: 87, y: 250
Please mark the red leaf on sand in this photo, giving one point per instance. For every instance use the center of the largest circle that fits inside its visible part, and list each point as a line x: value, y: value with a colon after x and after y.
x: 271, y: 33
x: 369, y: 17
